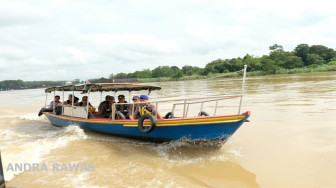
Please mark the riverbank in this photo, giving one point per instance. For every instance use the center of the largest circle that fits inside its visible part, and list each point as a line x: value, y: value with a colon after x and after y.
x: 320, y: 68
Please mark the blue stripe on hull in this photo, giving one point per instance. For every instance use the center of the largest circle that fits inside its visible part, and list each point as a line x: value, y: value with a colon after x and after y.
x: 219, y: 131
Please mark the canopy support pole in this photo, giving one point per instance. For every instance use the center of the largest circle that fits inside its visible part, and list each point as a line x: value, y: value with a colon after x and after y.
x: 87, y: 105
x: 54, y: 105
x: 63, y: 103
x: 73, y: 100
x: 45, y: 103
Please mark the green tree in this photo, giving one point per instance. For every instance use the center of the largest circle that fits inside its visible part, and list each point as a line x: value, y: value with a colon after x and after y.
x: 276, y: 47
x: 146, y: 73
x: 292, y: 62
x: 120, y: 75
x: 315, y: 59
x: 162, y: 71
x: 326, y: 53
x: 268, y: 65
x: 302, y: 50
x: 253, y: 63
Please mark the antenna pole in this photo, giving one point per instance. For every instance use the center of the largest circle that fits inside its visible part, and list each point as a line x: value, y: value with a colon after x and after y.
x: 243, y: 88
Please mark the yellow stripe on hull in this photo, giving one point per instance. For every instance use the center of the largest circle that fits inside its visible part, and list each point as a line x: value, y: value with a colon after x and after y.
x: 168, y: 122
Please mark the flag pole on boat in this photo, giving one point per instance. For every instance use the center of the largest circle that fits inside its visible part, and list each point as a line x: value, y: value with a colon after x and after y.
x: 243, y: 87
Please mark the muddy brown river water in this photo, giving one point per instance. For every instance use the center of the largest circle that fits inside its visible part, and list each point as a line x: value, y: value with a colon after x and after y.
x: 290, y: 140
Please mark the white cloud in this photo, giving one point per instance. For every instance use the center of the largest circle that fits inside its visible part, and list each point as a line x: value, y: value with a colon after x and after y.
x: 64, y: 40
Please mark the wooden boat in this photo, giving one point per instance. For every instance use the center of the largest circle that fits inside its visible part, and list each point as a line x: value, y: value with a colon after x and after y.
x: 210, y: 128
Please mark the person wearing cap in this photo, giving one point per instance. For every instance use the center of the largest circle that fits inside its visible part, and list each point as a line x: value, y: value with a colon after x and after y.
x: 105, y: 107
x: 112, y: 100
x: 136, y: 100
x: 146, y: 107
x: 69, y: 101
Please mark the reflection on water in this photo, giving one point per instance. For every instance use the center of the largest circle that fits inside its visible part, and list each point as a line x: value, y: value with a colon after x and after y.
x: 290, y: 141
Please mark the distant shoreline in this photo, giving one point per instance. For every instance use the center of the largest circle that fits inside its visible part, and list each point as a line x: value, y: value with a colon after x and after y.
x: 320, y: 68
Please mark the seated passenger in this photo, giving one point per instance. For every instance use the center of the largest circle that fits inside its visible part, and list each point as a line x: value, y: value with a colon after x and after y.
x: 56, y: 103
x: 135, y: 100
x: 146, y: 107
x: 84, y: 104
x: 112, y: 99
x: 105, y: 107
x: 69, y: 101
x: 76, y: 101
x: 122, y: 108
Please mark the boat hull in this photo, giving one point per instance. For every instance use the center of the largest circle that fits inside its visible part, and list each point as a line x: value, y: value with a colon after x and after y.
x: 209, y: 128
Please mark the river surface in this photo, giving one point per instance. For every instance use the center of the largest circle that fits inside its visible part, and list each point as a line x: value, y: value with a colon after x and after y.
x: 290, y: 140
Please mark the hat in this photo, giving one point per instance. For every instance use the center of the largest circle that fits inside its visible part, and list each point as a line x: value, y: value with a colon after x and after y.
x: 144, y: 97
x: 70, y: 95
x: 112, y: 97
x: 136, y: 97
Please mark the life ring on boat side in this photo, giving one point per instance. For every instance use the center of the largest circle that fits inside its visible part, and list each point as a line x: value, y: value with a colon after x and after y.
x: 147, y: 129
x: 120, y: 115
x: 169, y: 115
x: 202, y: 113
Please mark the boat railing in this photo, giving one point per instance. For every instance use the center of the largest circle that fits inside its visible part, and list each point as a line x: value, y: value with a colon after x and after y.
x: 185, y: 102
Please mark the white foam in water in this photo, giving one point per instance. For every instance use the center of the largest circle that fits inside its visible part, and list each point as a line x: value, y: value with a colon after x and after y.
x: 30, y: 116
x: 180, y: 152
x: 79, y: 181
x: 27, y: 116
x: 34, y: 151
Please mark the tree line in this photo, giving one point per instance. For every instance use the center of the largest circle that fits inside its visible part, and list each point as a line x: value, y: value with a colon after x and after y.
x: 302, y: 56
x: 20, y: 84
x: 278, y: 59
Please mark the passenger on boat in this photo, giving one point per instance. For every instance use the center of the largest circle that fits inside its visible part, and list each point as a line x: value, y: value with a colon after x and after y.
x: 84, y: 104
x: 76, y: 101
x: 69, y: 101
x: 146, y: 107
x: 122, y: 108
x: 105, y: 107
x: 112, y: 100
x: 57, y: 103
x: 135, y: 100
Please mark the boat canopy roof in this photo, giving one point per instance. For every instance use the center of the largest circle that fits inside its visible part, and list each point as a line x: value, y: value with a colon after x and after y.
x: 85, y: 88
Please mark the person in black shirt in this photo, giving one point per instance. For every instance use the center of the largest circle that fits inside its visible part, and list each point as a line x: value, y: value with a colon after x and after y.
x: 105, y: 107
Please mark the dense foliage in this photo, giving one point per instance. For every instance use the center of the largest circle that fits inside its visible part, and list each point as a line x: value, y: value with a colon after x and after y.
x: 20, y: 84
x: 278, y: 61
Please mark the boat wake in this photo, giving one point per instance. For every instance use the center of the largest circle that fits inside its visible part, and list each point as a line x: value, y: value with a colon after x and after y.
x: 186, y: 152
x: 31, y: 144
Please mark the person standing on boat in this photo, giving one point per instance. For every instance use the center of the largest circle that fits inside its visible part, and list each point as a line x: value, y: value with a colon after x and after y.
x: 146, y: 107
x: 122, y: 108
x: 105, y: 107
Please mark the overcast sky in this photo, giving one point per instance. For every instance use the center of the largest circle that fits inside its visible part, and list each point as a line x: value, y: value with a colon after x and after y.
x: 69, y: 39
